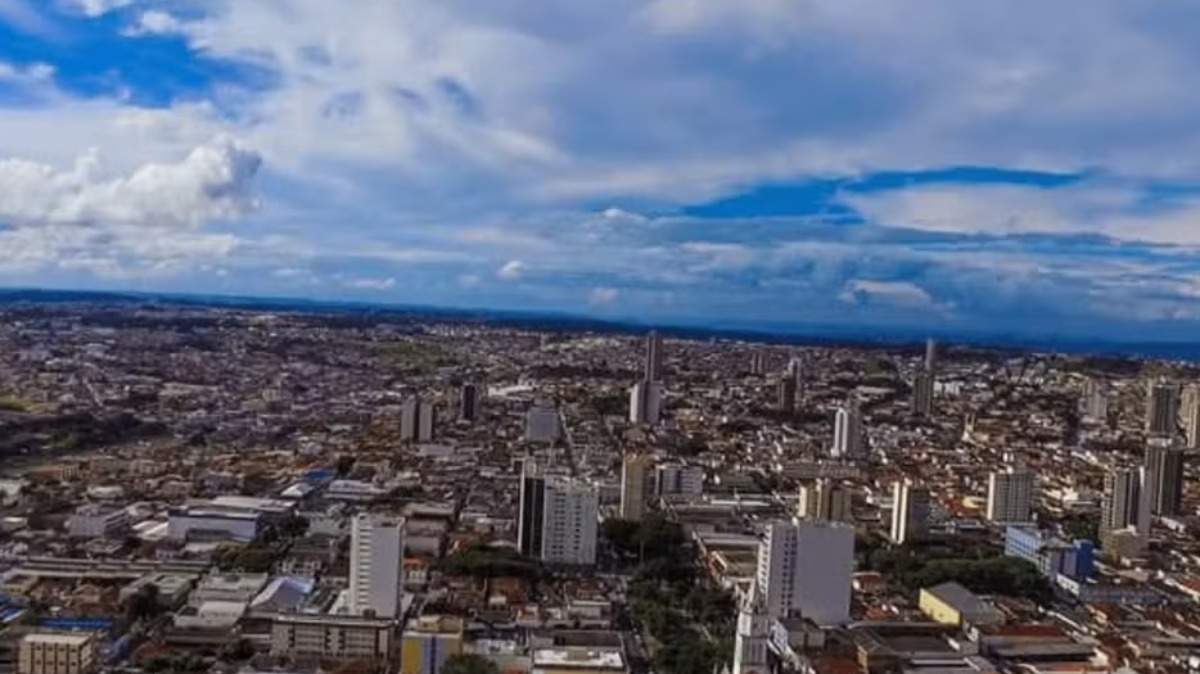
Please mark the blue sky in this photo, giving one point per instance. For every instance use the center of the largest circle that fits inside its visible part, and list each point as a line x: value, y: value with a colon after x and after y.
x: 996, y: 165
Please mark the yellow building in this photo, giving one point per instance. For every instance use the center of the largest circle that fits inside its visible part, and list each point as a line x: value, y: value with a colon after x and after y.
x: 50, y: 653
x: 953, y: 604
x: 428, y: 641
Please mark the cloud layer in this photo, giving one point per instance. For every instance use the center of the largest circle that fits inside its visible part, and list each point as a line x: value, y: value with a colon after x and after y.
x: 608, y: 156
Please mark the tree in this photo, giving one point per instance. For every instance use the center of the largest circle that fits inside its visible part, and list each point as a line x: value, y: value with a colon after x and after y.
x: 344, y: 465
x: 469, y: 663
x: 144, y: 604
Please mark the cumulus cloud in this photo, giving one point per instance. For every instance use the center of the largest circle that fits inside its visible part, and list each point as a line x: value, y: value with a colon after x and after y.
x: 898, y: 293
x: 155, y: 22
x: 213, y: 182
x: 512, y: 270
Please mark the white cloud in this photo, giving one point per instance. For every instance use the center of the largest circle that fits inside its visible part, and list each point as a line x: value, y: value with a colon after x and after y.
x: 370, y: 283
x: 35, y: 73
x: 894, y: 293
x: 512, y: 270
x: 96, y: 8
x: 1115, y: 211
x: 212, y: 182
x: 603, y: 297
x: 155, y: 22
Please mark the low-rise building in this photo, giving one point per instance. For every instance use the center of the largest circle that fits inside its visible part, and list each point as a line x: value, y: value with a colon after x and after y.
x: 333, y: 637
x: 55, y: 653
x: 953, y: 604
x: 428, y: 641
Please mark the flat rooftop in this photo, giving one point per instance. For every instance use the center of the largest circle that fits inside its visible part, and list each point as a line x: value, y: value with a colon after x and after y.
x: 578, y: 658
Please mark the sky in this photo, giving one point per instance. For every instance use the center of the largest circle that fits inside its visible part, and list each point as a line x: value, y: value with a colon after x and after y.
x: 1003, y: 166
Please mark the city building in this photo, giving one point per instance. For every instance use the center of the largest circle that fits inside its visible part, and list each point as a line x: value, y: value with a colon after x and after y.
x: 1093, y: 405
x: 57, y: 653
x: 1126, y: 505
x: 341, y: 638
x: 96, y: 521
x: 213, y: 523
x: 645, y: 402
x: 1191, y: 416
x: 758, y: 362
x: 785, y: 394
x: 416, y: 420
x: 1164, y: 465
x: 543, y: 424
x: 1162, y: 409
x: 1010, y: 496
x: 911, y: 506
x: 532, y: 497
x: 634, y: 485
x: 953, y: 604
x: 654, y: 357
x: 751, y: 639
x: 376, y: 565
x: 470, y: 401
x: 1052, y: 556
x: 428, y: 641
x: 795, y: 370
x: 930, y: 355
x: 825, y: 501
x: 922, y: 394
x: 678, y: 479
x: 804, y: 570
x: 847, y: 434
x: 569, y: 522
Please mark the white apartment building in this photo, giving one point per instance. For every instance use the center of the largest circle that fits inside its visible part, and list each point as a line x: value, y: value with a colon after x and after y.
x: 569, y: 522
x: 376, y: 565
x: 804, y: 570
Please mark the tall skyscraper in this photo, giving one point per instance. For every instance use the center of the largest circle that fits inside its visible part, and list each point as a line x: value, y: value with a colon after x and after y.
x: 930, y: 355
x: 470, y: 401
x: 569, y: 522
x: 416, y: 420
x: 796, y: 370
x: 1162, y: 409
x: 1093, y: 405
x: 542, y: 424
x: 922, y: 394
x: 758, y: 362
x: 804, y: 570
x: 533, y: 509
x: 1010, y: 496
x: 645, y: 402
x: 1126, y: 503
x: 1191, y: 416
x: 825, y: 501
x: 376, y: 565
x: 654, y: 357
x: 1164, y: 477
x: 847, y: 434
x: 634, y: 486
x: 911, y: 508
x: 785, y: 394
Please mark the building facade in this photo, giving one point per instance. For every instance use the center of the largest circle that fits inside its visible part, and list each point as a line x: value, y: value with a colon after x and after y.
x: 804, y: 570
x: 57, y: 653
x: 376, y: 565
x: 1010, y: 496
